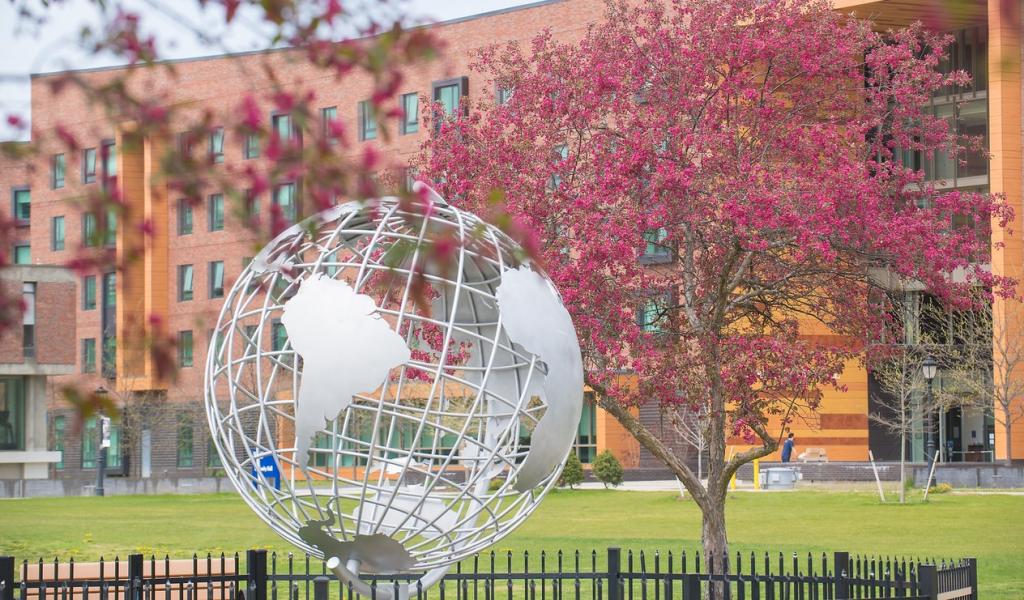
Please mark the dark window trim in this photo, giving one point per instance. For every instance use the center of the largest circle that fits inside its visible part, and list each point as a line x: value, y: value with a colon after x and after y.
x: 296, y: 132
x: 183, y: 207
x: 14, y: 253
x: 181, y: 283
x: 53, y: 233
x: 14, y: 205
x: 53, y: 171
x: 85, y: 295
x: 210, y: 279
x: 191, y: 347
x: 86, y: 175
x: 463, y: 83
x: 251, y: 146
x: 405, y: 121
x: 209, y: 213
x: 216, y: 157
x: 89, y: 366
x: 363, y: 107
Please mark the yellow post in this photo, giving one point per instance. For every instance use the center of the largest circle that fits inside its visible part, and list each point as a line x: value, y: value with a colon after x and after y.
x: 757, y: 473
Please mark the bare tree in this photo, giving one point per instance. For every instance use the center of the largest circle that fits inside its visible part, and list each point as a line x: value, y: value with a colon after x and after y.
x: 691, y: 426
x: 988, y: 363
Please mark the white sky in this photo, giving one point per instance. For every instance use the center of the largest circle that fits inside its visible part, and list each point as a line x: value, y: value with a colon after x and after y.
x: 54, y: 45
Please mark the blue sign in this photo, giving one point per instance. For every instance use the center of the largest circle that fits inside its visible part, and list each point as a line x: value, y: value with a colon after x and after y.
x: 268, y: 471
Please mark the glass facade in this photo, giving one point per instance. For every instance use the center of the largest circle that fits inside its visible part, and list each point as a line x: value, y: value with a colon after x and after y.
x: 12, y: 413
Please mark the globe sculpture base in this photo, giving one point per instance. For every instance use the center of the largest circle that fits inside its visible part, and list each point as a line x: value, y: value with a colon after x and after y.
x: 348, y: 574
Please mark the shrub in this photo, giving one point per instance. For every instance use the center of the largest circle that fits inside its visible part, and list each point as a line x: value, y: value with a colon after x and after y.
x: 608, y: 469
x: 496, y: 484
x: 572, y: 474
x: 940, y: 488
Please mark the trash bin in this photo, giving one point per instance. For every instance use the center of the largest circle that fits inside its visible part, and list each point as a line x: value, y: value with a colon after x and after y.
x: 779, y: 478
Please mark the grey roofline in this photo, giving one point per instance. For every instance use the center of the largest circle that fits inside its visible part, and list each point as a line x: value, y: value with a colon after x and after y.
x: 174, y: 61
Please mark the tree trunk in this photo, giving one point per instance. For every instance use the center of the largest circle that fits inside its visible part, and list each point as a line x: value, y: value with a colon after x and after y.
x: 1009, y: 439
x: 716, y: 543
x: 903, y: 465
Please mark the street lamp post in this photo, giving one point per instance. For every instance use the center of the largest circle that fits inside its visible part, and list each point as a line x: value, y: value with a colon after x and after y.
x: 104, y: 436
x: 929, y: 367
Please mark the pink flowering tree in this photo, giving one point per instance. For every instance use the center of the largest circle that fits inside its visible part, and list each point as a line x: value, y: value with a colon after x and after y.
x: 711, y: 181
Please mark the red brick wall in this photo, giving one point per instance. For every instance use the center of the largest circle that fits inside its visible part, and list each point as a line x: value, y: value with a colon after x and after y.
x: 55, y: 341
x: 11, y: 351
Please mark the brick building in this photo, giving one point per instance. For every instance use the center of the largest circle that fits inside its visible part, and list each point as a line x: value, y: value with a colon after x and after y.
x: 196, y: 252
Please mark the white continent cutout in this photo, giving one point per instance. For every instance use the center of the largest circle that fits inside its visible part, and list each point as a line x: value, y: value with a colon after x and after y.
x: 535, y: 318
x: 346, y: 349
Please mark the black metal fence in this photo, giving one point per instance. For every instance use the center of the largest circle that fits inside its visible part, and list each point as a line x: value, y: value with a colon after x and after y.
x: 614, y: 575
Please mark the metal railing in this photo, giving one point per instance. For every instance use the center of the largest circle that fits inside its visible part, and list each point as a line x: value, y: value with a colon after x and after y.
x: 574, y: 575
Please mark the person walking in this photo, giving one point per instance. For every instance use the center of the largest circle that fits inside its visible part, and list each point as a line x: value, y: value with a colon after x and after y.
x: 787, y: 448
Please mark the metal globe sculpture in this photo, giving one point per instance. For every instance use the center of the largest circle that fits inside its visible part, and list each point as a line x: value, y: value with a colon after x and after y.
x: 388, y: 411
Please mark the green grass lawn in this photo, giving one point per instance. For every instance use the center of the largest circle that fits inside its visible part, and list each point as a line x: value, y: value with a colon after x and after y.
x: 989, y: 527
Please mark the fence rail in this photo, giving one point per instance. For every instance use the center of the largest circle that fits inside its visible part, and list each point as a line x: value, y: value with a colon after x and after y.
x: 576, y: 575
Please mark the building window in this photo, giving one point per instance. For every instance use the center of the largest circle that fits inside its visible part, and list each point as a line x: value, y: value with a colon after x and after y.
x: 57, y: 170
x: 90, y: 443
x: 89, y: 355
x: 252, y: 207
x: 327, y: 116
x: 409, y: 175
x: 367, y: 121
x: 653, y: 317
x: 22, y: 200
x: 89, y: 165
x: 89, y: 292
x: 284, y: 199
x: 28, y: 319
x: 114, y: 454
x: 279, y: 336
x: 212, y: 456
x: 108, y: 359
x: 59, y: 429
x: 22, y: 254
x: 449, y: 94
x: 89, y: 229
x: 109, y: 155
x: 656, y: 249
x: 217, y: 145
x: 185, y: 442
x: 110, y: 228
x: 184, y: 217
x: 503, y: 95
x: 282, y: 126
x: 57, y: 233
x: 251, y: 147
x: 216, y: 214
x: 184, y: 283
x: 410, y: 113
x: 586, y: 434
x: 12, y: 413
x: 185, y: 348
x: 217, y: 279
x: 186, y: 140
x: 559, y: 155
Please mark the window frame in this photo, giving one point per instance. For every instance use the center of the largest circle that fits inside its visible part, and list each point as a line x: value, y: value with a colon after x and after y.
x: 90, y: 226
x: 408, y: 127
x: 183, y: 294
x: 325, y: 123
x: 185, y: 208
x: 16, y: 191
x: 435, y: 88
x: 251, y: 146
x: 366, y: 115
x: 57, y: 244
x: 216, y: 138
x: 215, y: 212
x: 293, y: 205
x: 89, y: 355
x: 89, y: 176
x: 16, y: 254
x: 56, y: 184
x: 212, y: 290
x: 89, y: 303
x: 185, y: 459
x: 186, y: 349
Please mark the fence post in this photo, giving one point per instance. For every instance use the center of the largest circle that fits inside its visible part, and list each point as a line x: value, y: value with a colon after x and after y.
x: 135, y: 577
x: 928, y: 582
x: 256, y: 575
x: 691, y: 587
x: 320, y: 588
x: 614, y: 570
x: 972, y: 576
x: 6, y: 578
x: 841, y: 574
